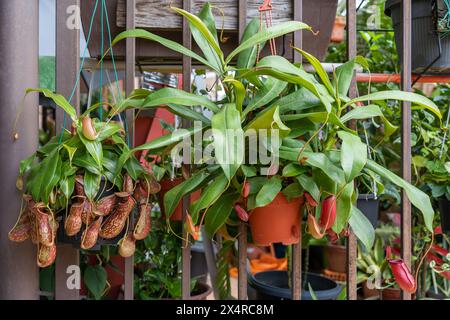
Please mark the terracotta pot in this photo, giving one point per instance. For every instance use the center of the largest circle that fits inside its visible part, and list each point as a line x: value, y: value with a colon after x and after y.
x: 338, y: 33
x: 369, y: 293
x: 277, y: 222
x: 391, y: 294
x: 166, y: 185
x: 336, y: 258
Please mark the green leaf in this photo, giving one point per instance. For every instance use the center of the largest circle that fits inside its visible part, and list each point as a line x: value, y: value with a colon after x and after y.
x: 269, y: 119
x: 321, y: 161
x: 417, y: 197
x: 343, y: 207
x: 91, y: 184
x: 310, y: 186
x: 94, y: 148
x: 166, y: 140
x: 294, y: 190
x: 207, y: 18
x: 228, y: 139
x: 188, y: 113
x: 362, y: 228
x: 208, y: 22
x: 175, y: 46
x: 353, y: 155
x: 364, y: 112
x: 298, y: 100
x: 83, y: 160
x: 203, y: 30
x: 317, y: 117
x: 95, y: 278
x: 174, y: 195
x: 345, y: 73
x: 239, y: 92
x: 293, y: 169
x: 370, y: 111
x: 248, y: 171
x: 319, y: 69
x: 58, y: 99
x: 280, y: 68
x: 25, y: 164
x: 67, y: 186
x: 268, y: 192
x: 271, y: 90
x: 210, y: 195
x: 247, y: 58
x: 219, y: 212
x: 46, y: 177
x: 134, y: 168
x: 269, y: 33
x: 107, y: 129
x: 70, y: 151
x: 402, y: 96
x: 166, y: 96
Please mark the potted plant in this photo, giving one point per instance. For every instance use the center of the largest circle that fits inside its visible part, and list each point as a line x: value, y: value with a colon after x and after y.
x: 158, y: 267
x: 318, y: 156
x: 72, y: 182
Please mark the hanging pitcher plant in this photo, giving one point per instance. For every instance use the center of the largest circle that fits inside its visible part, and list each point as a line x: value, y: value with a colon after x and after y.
x: 319, y: 155
x: 72, y: 182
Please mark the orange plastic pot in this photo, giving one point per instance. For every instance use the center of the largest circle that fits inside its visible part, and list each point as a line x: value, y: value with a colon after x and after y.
x: 166, y: 185
x: 278, y: 222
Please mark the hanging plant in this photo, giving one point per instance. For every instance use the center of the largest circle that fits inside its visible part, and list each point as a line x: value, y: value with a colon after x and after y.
x: 74, y: 182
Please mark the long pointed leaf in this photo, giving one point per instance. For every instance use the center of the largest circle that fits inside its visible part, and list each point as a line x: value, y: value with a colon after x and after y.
x: 167, y: 96
x: 228, y: 139
x: 362, y: 228
x: 271, y: 90
x: 139, y: 33
x: 198, y: 24
x: 402, y: 96
x: 417, y: 197
x: 353, y: 155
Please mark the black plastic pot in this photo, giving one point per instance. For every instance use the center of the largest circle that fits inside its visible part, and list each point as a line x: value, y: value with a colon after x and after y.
x: 369, y: 206
x: 425, y: 40
x: 75, y: 241
x: 444, y: 209
x: 273, y: 285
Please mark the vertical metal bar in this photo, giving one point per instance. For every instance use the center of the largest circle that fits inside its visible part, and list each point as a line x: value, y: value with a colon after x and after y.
x: 406, y: 137
x: 242, y: 238
x: 130, y: 60
x: 67, y: 68
x: 18, y: 71
x: 297, y: 248
x: 187, y: 68
x: 351, y: 241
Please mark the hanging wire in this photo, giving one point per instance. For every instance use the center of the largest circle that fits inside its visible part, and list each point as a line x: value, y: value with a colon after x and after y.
x: 115, y: 71
x: 80, y: 70
x: 102, y: 51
